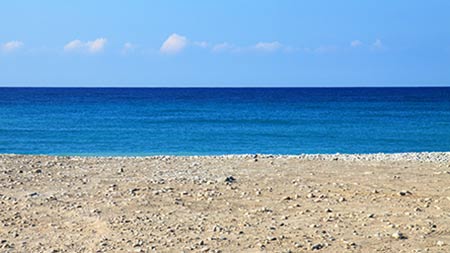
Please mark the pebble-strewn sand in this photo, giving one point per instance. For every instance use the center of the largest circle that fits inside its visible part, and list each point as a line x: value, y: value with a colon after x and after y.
x: 324, y: 203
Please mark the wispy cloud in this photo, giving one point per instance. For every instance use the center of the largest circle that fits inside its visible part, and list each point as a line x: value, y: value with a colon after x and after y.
x: 259, y: 47
x: 202, y: 44
x: 356, y: 43
x: 11, y: 46
x: 222, y: 47
x: 94, y: 46
x: 73, y: 45
x: 378, y: 44
x: 128, y: 47
x: 173, y: 44
x: 268, y: 46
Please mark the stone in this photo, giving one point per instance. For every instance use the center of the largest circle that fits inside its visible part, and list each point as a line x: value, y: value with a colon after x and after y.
x: 310, y: 196
x: 404, y: 193
x: 398, y: 235
x: 271, y: 238
x: 229, y: 179
x: 33, y: 194
x: 133, y: 191
x: 317, y: 246
x: 298, y: 245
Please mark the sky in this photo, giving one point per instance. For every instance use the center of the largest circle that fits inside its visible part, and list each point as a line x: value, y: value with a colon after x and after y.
x: 278, y: 43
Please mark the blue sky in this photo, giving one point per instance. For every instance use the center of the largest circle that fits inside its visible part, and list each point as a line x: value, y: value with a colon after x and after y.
x: 225, y: 43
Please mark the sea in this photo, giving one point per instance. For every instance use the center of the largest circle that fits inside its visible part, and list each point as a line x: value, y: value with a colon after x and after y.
x: 217, y: 121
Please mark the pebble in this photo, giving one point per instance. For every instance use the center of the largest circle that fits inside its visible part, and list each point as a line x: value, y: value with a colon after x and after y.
x: 271, y: 238
x: 440, y: 243
x: 317, y: 246
x: 404, y: 193
x: 398, y: 235
x: 229, y: 179
x: 33, y: 194
x: 298, y: 245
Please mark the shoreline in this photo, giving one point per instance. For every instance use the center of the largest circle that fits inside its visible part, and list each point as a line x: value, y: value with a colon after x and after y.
x: 401, y: 156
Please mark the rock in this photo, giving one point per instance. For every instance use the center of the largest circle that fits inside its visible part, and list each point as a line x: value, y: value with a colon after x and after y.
x: 33, y: 194
x: 265, y: 210
x: 271, y: 238
x: 133, y: 191
x: 317, y: 246
x: 440, y: 243
x: 229, y: 179
x: 298, y: 245
x: 398, y: 235
x: 404, y: 193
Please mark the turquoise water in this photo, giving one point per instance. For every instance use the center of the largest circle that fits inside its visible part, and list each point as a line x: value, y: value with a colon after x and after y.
x: 192, y: 121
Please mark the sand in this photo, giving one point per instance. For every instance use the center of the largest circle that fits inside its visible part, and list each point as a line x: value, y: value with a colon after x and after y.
x: 334, y: 203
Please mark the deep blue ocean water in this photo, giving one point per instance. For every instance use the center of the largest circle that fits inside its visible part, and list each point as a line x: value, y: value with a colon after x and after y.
x: 197, y: 121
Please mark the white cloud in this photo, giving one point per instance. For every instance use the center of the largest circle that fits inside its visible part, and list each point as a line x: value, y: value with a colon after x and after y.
x: 378, y: 44
x: 73, y: 45
x: 268, y: 46
x: 224, y: 46
x: 356, y: 43
x: 260, y: 46
x: 94, y: 46
x: 174, y: 44
x: 11, y: 46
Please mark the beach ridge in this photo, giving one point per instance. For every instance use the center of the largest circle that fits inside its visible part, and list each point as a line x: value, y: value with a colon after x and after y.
x: 400, y: 156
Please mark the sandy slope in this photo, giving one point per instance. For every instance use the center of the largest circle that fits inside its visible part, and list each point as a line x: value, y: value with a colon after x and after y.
x: 380, y: 203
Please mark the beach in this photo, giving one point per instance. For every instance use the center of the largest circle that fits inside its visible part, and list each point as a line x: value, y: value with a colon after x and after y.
x: 224, y: 126
x: 236, y: 203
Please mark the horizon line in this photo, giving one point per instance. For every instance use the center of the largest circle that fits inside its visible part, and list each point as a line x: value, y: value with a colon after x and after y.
x: 226, y: 87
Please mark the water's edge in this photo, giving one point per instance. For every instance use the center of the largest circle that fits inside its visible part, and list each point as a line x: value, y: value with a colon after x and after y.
x: 441, y: 157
